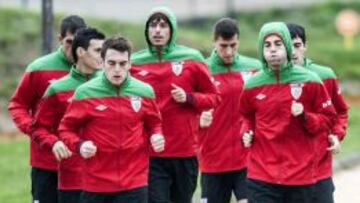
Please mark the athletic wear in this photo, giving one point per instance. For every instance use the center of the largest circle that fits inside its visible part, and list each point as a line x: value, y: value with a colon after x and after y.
x: 119, y: 121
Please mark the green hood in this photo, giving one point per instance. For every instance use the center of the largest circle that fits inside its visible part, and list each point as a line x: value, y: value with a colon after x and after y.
x: 280, y: 29
x: 171, y: 16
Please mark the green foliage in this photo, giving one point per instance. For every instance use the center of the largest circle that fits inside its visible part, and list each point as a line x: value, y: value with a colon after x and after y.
x: 20, y: 40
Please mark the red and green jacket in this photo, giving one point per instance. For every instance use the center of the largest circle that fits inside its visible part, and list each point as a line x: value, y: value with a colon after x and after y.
x: 186, y: 68
x: 220, y: 149
x: 24, y: 103
x: 119, y: 120
x: 45, y: 130
x: 283, y: 148
x: 331, y: 84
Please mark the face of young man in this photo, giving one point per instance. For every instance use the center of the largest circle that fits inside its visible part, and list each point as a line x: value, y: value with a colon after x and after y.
x: 91, y: 57
x: 65, y: 43
x: 274, y: 51
x: 116, y: 66
x: 227, y: 48
x: 299, y: 49
x: 159, y: 32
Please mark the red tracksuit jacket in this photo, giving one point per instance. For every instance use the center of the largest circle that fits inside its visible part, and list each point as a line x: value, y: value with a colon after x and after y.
x: 328, y: 77
x: 45, y: 130
x: 24, y: 103
x: 220, y: 147
x: 119, y: 121
x: 283, y: 149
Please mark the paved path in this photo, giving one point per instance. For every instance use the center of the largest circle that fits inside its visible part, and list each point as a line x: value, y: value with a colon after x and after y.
x: 347, y: 183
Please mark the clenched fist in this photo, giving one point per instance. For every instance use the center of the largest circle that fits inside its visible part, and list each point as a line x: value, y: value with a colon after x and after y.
x: 157, y: 142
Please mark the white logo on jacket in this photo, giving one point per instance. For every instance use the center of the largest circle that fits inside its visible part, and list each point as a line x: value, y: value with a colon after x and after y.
x: 135, y: 103
x: 143, y: 73
x: 260, y: 96
x: 101, y: 107
x: 296, y: 90
x: 177, y: 67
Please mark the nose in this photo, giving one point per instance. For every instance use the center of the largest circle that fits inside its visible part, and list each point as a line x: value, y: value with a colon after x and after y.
x: 228, y: 51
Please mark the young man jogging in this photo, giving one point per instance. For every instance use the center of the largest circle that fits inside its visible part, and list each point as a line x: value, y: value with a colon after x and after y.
x: 330, y: 143
x: 24, y: 103
x: 286, y: 107
x: 222, y: 158
x: 183, y: 89
x: 86, y: 49
x: 111, y: 121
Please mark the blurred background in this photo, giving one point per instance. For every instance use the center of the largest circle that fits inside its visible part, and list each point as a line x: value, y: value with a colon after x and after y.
x: 21, y: 42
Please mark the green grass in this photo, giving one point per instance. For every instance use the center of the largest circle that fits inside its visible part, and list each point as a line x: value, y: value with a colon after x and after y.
x: 15, y: 170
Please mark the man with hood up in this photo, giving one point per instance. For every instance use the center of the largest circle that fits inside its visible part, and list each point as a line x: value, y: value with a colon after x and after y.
x: 183, y: 89
x: 324, y: 187
x: 286, y: 107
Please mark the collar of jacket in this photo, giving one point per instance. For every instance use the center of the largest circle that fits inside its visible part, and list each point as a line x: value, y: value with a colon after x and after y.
x: 217, y: 64
x: 75, y: 73
x: 122, y: 86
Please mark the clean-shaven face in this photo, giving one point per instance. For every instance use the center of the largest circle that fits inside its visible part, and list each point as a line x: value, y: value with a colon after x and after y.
x: 91, y: 57
x: 274, y: 51
x: 299, y: 49
x: 159, y: 32
x: 227, y: 48
x: 116, y: 66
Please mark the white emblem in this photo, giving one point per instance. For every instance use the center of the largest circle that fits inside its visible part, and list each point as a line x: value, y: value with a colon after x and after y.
x: 260, y: 96
x: 70, y: 99
x: 296, y: 90
x: 177, y: 67
x: 135, y: 103
x: 101, y: 107
x: 143, y: 73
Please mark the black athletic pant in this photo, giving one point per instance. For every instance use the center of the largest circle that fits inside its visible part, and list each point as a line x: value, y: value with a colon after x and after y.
x: 137, y: 195
x: 44, y: 186
x: 262, y: 192
x: 172, y: 179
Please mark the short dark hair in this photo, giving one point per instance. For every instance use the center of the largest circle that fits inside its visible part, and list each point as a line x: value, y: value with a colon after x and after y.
x: 82, y: 39
x: 226, y: 28
x: 120, y: 44
x: 296, y: 30
x: 71, y: 24
x: 157, y: 17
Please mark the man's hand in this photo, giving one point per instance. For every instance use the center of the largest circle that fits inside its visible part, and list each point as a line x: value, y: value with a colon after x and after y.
x: 178, y: 94
x: 297, y: 108
x: 335, y: 146
x: 247, y: 138
x: 206, y: 118
x: 88, y: 149
x: 157, y: 142
x: 60, y: 151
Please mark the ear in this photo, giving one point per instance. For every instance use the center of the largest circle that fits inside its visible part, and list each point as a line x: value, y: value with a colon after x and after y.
x: 80, y: 52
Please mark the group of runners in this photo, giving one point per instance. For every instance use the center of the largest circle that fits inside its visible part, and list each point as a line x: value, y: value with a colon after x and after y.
x: 107, y: 125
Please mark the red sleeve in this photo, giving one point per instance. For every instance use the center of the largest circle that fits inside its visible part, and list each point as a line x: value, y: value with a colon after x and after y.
x: 247, y: 111
x: 71, y: 124
x: 321, y: 117
x: 340, y: 106
x: 21, y: 103
x: 152, y: 118
x: 205, y: 95
x: 44, y: 130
